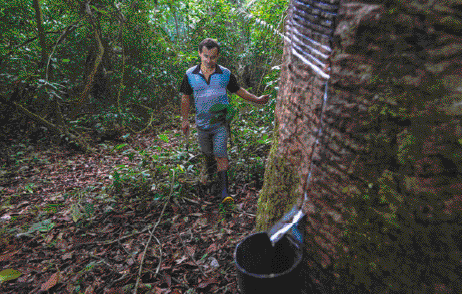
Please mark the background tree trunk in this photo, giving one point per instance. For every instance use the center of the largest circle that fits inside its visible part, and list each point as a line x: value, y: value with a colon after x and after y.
x: 41, y: 33
x: 387, y: 171
x: 97, y: 61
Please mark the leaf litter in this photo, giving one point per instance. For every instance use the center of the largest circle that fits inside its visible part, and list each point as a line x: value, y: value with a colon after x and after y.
x: 62, y: 233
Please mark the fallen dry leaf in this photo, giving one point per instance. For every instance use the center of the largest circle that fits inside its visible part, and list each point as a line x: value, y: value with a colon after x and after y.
x: 212, y: 248
x: 178, y: 261
x: 8, y: 256
x: 52, y: 281
x: 89, y: 290
x: 67, y: 255
x: 191, y: 250
x: 207, y: 282
x: 140, y: 257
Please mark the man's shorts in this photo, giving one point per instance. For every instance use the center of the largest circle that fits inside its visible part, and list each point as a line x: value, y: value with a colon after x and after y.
x: 213, y: 142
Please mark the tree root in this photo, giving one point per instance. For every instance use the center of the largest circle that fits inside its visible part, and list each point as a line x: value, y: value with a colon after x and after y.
x: 76, y: 139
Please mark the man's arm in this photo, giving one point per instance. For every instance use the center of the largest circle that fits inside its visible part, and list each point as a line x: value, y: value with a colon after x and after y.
x: 244, y: 94
x: 185, y: 106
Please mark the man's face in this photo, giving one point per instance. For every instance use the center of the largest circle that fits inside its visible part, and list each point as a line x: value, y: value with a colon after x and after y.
x: 209, y: 57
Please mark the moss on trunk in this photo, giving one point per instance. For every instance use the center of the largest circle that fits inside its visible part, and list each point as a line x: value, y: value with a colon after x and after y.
x: 278, y: 194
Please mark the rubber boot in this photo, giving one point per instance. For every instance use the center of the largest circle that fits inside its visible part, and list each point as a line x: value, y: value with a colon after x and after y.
x: 225, y: 197
x: 211, y: 171
x: 211, y: 167
x: 208, y: 170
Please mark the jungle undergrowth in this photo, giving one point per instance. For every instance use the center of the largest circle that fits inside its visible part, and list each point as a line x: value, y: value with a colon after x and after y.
x: 136, y: 185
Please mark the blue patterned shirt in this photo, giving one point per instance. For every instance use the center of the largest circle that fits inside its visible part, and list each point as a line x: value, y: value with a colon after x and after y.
x: 208, y: 93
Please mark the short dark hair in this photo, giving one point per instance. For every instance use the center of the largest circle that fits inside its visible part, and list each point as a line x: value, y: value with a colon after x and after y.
x: 210, y: 44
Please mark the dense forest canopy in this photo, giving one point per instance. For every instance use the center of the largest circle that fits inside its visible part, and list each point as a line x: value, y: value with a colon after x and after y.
x: 100, y: 64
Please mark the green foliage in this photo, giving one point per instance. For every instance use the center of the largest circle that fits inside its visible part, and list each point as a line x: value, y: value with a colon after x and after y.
x: 80, y: 204
x: 251, y: 140
x: 42, y: 226
x: 145, y: 55
x: 9, y: 274
x: 164, y: 138
x: 225, y: 208
x: 153, y: 178
x: 405, y: 150
x: 29, y: 188
x: 222, y: 113
x: 17, y: 20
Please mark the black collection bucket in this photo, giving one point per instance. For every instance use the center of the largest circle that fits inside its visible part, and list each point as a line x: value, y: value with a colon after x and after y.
x: 262, y: 268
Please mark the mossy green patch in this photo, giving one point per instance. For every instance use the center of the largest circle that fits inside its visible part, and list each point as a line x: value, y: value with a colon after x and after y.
x: 451, y: 22
x: 278, y: 193
x: 406, y: 142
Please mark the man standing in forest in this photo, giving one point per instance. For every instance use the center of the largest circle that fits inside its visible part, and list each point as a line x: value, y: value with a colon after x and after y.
x: 209, y: 81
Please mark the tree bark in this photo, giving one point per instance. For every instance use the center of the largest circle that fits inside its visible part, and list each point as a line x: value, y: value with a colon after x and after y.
x: 89, y: 84
x: 41, y: 33
x: 384, y: 207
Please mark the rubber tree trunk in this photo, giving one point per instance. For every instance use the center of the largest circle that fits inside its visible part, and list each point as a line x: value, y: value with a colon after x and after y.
x: 385, y: 201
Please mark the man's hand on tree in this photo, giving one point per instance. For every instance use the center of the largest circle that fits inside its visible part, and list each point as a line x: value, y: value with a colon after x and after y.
x: 185, y: 127
x: 263, y: 99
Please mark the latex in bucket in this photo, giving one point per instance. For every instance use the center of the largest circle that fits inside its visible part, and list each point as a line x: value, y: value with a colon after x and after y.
x: 264, y: 269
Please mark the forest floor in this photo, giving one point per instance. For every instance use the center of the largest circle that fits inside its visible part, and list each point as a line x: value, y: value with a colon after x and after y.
x: 63, y: 231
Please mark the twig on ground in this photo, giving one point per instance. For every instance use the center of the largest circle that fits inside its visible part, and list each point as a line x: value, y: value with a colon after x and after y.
x: 196, y: 202
x: 102, y: 260
x: 219, y: 289
x: 120, y: 244
x: 118, y: 239
x: 160, y: 256
x: 118, y: 280
x: 178, y: 281
x: 152, y: 233
x: 243, y: 212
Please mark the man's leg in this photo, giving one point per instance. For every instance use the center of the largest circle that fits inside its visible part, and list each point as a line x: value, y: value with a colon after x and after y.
x: 208, y: 165
x: 223, y: 177
x: 208, y: 169
x: 220, y: 142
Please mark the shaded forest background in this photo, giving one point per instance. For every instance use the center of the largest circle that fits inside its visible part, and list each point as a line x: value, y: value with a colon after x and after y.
x: 90, y: 138
x: 100, y: 69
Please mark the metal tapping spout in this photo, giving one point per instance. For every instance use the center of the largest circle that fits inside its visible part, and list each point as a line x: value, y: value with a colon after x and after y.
x: 288, y: 223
